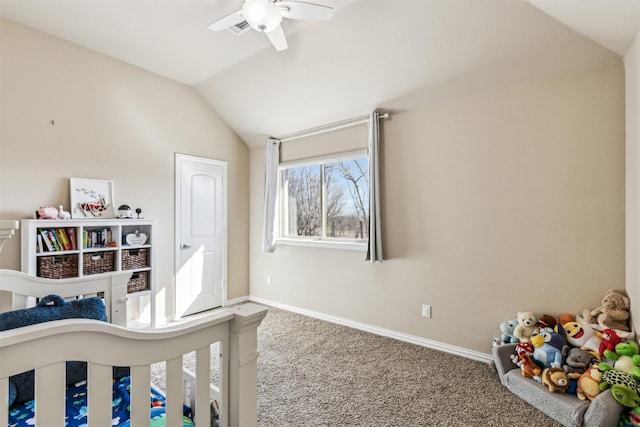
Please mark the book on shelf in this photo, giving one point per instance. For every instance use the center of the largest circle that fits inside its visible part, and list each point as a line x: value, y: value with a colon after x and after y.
x: 39, y: 247
x: 99, y: 238
x: 71, y: 232
x: 61, y: 235
x: 96, y: 238
x: 57, y: 239
x: 47, y: 241
x: 54, y: 240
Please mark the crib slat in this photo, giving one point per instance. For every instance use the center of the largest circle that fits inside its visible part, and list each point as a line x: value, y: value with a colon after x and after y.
x: 203, y: 367
x: 140, y: 393
x: 4, y: 397
x: 223, y: 389
x: 174, y: 391
x: 50, y: 395
x: 99, y: 394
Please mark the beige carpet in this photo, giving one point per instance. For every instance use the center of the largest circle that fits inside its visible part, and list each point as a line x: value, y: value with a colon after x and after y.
x: 313, y: 373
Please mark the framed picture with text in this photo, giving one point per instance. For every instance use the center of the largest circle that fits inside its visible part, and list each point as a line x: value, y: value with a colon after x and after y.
x: 91, y: 198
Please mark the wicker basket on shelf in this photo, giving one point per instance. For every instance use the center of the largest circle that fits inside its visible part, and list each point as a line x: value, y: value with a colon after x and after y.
x: 97, y: 262
x: 58, y: 266
x: 138, y: 282
x: 134, y: 258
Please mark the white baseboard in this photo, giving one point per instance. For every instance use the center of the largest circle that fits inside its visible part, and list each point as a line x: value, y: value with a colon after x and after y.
x: 412, y: 339
x: 236, y: 301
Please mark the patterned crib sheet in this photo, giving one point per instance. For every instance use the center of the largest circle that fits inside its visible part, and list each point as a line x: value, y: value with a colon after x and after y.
x: 76, y: 408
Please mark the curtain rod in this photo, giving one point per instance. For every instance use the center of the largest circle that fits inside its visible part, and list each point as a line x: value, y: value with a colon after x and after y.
x: 329, y: 127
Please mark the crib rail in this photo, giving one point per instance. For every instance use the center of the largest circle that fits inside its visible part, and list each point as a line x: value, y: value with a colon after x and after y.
x: 46, y: 347
x: 18, y: 287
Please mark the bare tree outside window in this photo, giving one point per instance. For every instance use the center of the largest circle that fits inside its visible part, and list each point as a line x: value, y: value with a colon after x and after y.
x: 327, y: 200
x: 334, y: 199
x: 305, y: 209
x: 354, y: 215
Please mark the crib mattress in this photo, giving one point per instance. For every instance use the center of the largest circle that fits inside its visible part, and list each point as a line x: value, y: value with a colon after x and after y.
x: 76, y: 407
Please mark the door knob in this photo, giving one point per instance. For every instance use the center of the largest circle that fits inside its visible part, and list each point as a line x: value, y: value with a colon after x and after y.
x: 185, y: 246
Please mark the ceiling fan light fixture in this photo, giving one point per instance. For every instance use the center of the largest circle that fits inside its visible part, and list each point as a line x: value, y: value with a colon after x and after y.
x: 262, y: 15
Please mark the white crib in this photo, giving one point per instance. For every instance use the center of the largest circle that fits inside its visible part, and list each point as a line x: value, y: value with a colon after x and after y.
x: 47, y: 346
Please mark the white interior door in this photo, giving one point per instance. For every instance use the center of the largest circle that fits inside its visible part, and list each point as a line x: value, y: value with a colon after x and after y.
x: 201, y: 206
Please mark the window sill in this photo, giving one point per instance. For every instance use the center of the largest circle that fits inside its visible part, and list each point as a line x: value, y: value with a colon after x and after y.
x: 325, y: 244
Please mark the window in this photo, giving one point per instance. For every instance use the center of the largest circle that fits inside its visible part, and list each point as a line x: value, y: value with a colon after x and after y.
x: 325, y: 200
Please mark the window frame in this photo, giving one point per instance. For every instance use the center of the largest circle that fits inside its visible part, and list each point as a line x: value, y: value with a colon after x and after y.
x: 315, y: 241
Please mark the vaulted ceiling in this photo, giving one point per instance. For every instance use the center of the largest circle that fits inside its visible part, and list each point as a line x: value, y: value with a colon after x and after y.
x: 388, y: 54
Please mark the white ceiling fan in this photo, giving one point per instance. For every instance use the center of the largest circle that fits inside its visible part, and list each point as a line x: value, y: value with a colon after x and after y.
x: 266, y: 15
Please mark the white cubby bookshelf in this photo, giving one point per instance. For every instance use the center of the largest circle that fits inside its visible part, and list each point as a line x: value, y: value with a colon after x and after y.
x: 93, y: 246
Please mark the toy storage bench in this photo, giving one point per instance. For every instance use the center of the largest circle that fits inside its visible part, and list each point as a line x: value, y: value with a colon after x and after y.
x: 567, y: 409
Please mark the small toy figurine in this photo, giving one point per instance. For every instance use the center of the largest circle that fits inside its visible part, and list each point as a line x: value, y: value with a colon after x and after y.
x: 62, y: 214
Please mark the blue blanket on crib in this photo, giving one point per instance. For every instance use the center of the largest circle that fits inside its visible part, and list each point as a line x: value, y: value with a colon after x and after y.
x: 76, y: 407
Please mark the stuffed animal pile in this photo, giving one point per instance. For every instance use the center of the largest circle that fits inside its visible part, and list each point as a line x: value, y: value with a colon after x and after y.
x: 583, y: 355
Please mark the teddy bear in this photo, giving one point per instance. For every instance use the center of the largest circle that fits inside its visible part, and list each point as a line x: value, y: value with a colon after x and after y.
x: 526, y: 326
x: 613, y: 313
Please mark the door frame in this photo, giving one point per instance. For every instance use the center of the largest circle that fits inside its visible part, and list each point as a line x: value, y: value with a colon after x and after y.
x: 178, y: 158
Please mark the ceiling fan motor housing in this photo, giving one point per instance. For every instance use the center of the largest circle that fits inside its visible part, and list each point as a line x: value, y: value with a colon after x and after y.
x: 262, y: 15
x: 265, y: 16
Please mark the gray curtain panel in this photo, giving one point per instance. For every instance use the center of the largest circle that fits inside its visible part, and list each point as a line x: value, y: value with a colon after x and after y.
x: 272, y: 161
x: 374, y: 251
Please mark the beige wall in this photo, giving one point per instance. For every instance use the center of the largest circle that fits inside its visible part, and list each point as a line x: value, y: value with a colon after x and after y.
x: 513, y: 200
x: 507, y: 201
x: 632, y: 76
x: 112, y: 121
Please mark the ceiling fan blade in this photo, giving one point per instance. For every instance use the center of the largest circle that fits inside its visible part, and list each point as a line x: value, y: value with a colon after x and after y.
x: 277, y: 38
x: 227, y: 21
x: 305, y: 11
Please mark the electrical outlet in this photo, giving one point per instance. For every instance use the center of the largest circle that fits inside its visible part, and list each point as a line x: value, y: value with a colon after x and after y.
x: 268, y: 280
x: 426, y: 310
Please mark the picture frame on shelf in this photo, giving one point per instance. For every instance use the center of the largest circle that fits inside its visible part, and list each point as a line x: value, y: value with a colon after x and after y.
x: 91, y: 198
